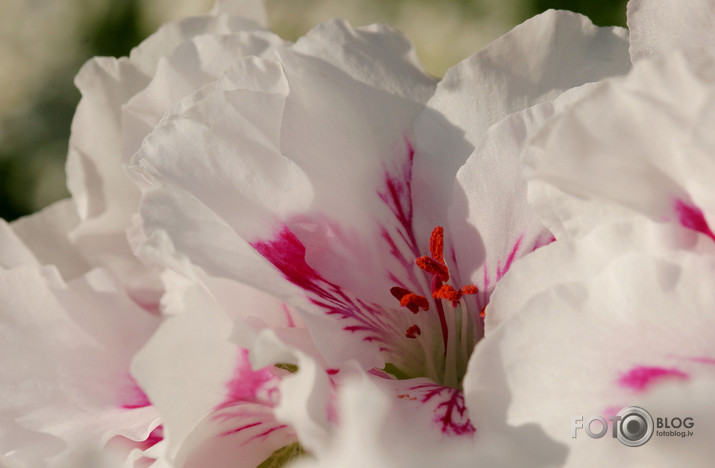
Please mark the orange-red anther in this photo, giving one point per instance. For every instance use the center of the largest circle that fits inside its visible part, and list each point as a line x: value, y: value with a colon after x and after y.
x: 414, y: 302
x: 410, y: 300
x: 449, y: 293
x: 436, y: 244
x: 397, y: 292
x: 482, y: 314
x: 433, y: 267
x: 413, y: 332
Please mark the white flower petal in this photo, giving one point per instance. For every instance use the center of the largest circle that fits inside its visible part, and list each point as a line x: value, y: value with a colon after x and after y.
x: 602, y: 335
x: 635, y: 145
x: 378, y: 429
x: 105, y: 196
x: 533, y: 63
x: 185, y: 366
x: 190, y: 66
x: 65, y: 357
x: 45, y: 234
x: 490, y: 223
x: 658, y: 27
x: 13, y: 252
x: 307, y: 397
x: 170, y: 35
x: 594, y: 253
x: 376, y: 55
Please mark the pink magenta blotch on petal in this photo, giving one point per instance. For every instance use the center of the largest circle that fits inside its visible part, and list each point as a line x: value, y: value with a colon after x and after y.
x: 692, y: 217
x: 247, y: 383
x: 287, y: 253
x: 132, y: 396
x: 641, y: 378
x: 246, y: 413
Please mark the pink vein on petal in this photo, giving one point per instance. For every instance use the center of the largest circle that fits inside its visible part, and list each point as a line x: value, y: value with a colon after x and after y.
x: 703, y: 360
x: 289, y: 318
x: 501, y: 270
x: 692, y: 217
x: 396, y: 195
x: 267, y: 432
x: 642, y: 377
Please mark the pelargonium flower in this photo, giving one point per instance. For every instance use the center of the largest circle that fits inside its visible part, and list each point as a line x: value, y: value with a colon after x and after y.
x: 336, y: 178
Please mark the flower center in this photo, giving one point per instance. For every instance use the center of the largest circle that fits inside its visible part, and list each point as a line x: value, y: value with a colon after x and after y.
x: 436, y: 268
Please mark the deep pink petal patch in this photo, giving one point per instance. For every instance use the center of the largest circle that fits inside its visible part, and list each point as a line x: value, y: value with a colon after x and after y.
x: 642, y: 378
x: 247, y: 384
x: 132, y: 396
x: 287, y: 253
x: 692, y: 217
x: 246, y: 413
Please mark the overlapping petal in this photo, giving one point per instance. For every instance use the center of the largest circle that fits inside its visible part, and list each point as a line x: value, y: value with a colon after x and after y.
x: 603, y: 158
x: 169, y: 65
x: 66, y: 349
x: 533, y: 63
x: 612, y: 328
x: 498, y: 98
x: 215, y: 408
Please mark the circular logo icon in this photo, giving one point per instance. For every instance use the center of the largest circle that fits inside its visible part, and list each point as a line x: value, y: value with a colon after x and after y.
x: 635, y: 427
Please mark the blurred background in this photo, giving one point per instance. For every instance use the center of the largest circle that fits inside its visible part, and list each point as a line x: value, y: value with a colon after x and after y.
x: 43, y: 43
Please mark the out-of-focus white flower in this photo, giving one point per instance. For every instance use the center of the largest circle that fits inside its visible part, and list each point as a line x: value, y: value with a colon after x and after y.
x: 122, y: 99
x: 72, y: 328
x: 623, y: 179
x: 637, y: 145
x: 622, y: 319
x: 317, y: 175
x: 66, y: 391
